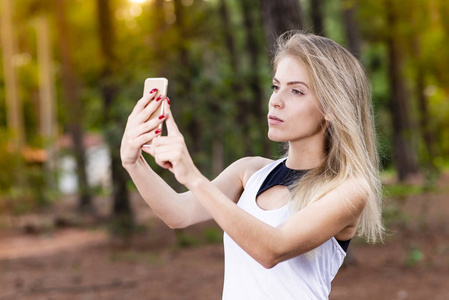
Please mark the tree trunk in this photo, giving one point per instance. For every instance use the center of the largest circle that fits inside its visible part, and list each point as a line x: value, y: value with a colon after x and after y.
x: 184, y: 77
x: 427, y: 134
x: 353, y: 40
x: 157, y: 31
x: 47, y: 97
x: 243, y: 104
x: 317, y: 17
x: 443, y: 9
x: 280, y: 16
x: 14, y: 113
x: 404, y: 149
x: 253, y: 47
x: 122, y: 212
x: 72, y: 99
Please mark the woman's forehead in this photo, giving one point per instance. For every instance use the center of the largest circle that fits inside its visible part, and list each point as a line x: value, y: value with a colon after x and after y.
x: 290, y: 69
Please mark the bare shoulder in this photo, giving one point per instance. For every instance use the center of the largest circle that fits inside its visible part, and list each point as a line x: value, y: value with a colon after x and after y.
x: 251, y: 164
x: 233, y: 179
x: 354, y: 190
x: 358, y: 187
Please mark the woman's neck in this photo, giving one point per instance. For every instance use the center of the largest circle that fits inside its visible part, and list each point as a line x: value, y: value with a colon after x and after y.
x: 305, y: 157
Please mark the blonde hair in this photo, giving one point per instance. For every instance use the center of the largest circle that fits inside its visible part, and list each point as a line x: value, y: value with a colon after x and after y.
x: 339, y: 82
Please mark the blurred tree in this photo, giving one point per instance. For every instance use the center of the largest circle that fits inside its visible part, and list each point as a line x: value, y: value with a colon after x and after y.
x: 184, y: 77
x: 280, y: 16
x: 404, y: 149
x: 121, y: 204
x: 419, y: 20
x: 236, y: 86
x: 353, y: 40
x: 254, y: 46
x: 158, y: 29
x: 317, y: 16
x: 72, y: 100
x: 14, y: 104
x: 237, y: 80
x: 47, y: 118
x: 443, y: 7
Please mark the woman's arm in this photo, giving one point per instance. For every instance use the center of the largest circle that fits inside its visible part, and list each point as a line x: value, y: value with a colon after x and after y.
x: 181, y: 210
x: 304, y: 231
x: 176, y: 210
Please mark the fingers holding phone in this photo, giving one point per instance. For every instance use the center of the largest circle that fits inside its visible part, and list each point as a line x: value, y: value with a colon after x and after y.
x: 159, y: 87
x: 145, y: 121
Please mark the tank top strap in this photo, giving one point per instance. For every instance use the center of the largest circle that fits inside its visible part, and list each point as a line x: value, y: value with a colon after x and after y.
x: 256, y: 180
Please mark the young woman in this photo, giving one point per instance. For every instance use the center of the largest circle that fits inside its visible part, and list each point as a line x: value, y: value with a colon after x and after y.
x: 287, y: 222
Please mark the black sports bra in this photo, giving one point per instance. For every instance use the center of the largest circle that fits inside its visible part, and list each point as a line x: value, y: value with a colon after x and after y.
x: 282, y: 175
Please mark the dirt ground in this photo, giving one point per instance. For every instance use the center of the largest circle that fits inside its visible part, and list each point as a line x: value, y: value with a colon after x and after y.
x: 39, y: 261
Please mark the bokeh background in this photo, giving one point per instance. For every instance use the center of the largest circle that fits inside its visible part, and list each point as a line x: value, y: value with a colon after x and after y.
x: 72, y: 225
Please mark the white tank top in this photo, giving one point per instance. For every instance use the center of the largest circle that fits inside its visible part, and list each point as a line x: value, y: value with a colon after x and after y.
x: 296, y: 278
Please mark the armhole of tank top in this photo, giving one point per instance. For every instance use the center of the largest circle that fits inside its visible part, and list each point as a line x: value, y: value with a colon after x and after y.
x: 337, y: 244
x: 268, y: 168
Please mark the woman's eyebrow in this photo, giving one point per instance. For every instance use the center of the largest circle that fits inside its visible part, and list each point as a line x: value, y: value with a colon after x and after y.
x: 293, y: 82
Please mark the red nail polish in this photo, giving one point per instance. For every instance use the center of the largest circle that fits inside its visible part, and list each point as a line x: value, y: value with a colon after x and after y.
x: 153, y: 90
x: 168, y: 100
x: 161, y: 117
x: 159, y: 98
x: 157, y: 131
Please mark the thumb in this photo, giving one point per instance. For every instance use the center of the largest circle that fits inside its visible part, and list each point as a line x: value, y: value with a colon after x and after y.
x: 172, y: 128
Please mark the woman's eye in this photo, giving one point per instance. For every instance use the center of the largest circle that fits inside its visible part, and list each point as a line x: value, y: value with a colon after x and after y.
x: 297, y: 92
x: 275, y: 88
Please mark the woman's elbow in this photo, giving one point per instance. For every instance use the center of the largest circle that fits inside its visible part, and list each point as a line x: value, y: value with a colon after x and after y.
x: 176, y: 224
x: 269, y: 264
x: 270, y: 259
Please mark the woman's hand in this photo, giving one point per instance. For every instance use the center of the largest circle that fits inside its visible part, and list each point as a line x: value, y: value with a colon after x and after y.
x: 170, y: 152
x: 139, y: 130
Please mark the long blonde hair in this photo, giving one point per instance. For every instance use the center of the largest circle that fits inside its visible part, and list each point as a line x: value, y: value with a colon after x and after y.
x: 342, y: 88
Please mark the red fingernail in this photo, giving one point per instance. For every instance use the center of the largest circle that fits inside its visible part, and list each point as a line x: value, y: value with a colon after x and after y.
x: 159, y: 98
x: 168, y: 100
x: 161, y: 117
x: 153, y: 90
x: 157, y: 131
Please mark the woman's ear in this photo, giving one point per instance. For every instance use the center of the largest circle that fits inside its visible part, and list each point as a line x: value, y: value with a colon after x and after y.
x: 328, y: 117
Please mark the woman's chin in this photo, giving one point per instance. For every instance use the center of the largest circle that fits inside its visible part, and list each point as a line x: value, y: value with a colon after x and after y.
x: 276, y: 138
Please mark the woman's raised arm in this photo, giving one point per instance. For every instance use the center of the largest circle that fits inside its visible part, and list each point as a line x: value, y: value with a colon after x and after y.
x: 176, y: 210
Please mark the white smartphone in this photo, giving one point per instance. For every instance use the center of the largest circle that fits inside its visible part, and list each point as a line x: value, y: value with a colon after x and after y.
x: 161, y: 85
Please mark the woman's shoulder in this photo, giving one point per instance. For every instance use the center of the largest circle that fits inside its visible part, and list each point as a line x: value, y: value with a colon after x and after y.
x: 251, y: 165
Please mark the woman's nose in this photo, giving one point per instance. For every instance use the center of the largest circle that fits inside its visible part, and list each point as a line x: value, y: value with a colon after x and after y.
x: 275, y: 100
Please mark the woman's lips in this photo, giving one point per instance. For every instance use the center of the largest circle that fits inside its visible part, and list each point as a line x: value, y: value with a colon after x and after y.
x: 273, y: 120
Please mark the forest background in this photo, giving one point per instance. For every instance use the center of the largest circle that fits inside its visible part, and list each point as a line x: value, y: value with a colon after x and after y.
x: 72, y: 70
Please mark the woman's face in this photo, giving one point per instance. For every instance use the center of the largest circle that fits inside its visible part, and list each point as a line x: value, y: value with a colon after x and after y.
x: 294, y: 114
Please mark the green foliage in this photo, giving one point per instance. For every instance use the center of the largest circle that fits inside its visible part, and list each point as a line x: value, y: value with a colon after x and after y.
x: 122, y: 226
x: 213, y: 235
x: 420, y: 29
x: 9, y: 163
x: 413, y: 257
x: 186, y: 239
x: 402, y: 190
x: 195, y: 57
x: 394, y: 216
x: 23, y: 185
